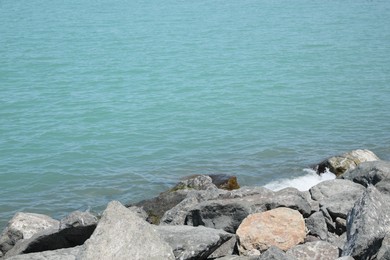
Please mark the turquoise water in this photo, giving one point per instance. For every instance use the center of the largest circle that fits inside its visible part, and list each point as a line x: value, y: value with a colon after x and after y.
x: 103, y: 100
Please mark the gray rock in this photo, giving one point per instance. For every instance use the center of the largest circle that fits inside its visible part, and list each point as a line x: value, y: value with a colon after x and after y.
x: 228, y: 211
x: 192, y: 242
x: 60, y: 254
x: 347, y: 161
x: 337, y: 196
x: 376, y: 173
x: 78, y: 219
x: 345, y: 258
x: 274, y: 253
x: 314, y: 250
x: 140, y: 212
x: 227, y: 248
x: 121, y: 234
x: 236, y: 257
x: 384, y: 250
x: 316, y: 225
x: 368, y: 223
x: 24, y: 226
x: 337, y: 240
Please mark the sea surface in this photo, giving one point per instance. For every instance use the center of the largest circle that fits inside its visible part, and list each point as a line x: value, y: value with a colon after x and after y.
x: 106, y: 100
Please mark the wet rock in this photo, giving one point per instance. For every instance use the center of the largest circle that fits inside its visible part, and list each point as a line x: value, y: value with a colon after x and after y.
x: 314, y: 250
x: 24, y: 226
x: 280, y: 227
x: 347, y: 161
x: 337, y: 196
x: 368, y: 223
x: 225, y: 181
x: 121, y: 234
x: 193, y: 242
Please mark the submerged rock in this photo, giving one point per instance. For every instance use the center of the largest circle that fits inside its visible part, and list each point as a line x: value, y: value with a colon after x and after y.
x: 347, y: 161
x: 281, y: 227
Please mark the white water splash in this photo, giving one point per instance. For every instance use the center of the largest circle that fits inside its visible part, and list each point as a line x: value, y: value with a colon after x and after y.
x: 302, y: 183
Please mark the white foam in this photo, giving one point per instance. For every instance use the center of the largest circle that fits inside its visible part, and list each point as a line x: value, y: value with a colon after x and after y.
x: 302, y: 183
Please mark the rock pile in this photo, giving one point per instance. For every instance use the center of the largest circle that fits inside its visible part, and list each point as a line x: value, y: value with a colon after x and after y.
x: 344, y: 218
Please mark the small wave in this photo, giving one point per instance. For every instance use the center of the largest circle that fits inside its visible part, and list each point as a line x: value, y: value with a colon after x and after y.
x: 302, y: 183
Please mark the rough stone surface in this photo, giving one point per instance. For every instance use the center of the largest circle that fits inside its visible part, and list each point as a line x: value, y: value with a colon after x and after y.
x: 225, y: 181
x: 78, y: 219
x: 337, y: 196
x: 347, y: 161
x: 24, y: 226
x: 193, y: 242
x: 121, y: 234
x: 314, y: 250
x: 274, y: 253
x: 236, y: 257
x: 367, y: 173
x: 367, y: 225
x: 60, y: 254
x: 280, y: 227
x: 316, y: 225
x: 384, y: 250
x: 228, y: 211
x: 227, y: 248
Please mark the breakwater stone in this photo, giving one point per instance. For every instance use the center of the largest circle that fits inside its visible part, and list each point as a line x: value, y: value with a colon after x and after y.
x: 346, y: 218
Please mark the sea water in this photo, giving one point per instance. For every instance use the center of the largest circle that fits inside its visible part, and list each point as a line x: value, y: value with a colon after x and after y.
x: 116, y: 100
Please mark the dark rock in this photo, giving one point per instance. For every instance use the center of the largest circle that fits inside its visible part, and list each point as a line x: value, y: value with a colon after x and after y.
x: 60, y: 254
x: 156, y: 207
x: 121, y: 234
x: 376, y: 173
x: 368, y: 223
x: 347, y: 161
x: 316, y: 225
x: 384, y: 250
x: 274, y: 253
x: 24, y: 226
x: 314, y: 250
x: 337, y: 196
x: 227, y: 211
x: 331, y: 225
x: 192, y: 242
x: 225, y: 182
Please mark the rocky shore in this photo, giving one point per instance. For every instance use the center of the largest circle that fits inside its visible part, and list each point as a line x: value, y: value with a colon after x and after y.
x: 211, y: 217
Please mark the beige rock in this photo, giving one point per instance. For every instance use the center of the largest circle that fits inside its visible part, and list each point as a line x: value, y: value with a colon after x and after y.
x: 280, y: 227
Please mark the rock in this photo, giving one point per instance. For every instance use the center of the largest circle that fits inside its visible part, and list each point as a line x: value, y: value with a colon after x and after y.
x: 224, y: 181
x: 368, y: 223
x: 376, y: 173
x: 280, y: 227
x: 156, y: 207
x: 60, y: 254
x: 316, y: 225
x: 24, y: 226
x: 192, y: 242
x: 384, y: 250
x: 227, y: 248
x: 337, y: 240
x: 228, y: 211
x: 345, y: 258
x: 236, y: 257
x: 121, y: 234
x: 140, y: 212
x: 78, y: 219
x: 314, y: 250
x: 347, y: 161
x: 274, y: 253
x: 337, y: 196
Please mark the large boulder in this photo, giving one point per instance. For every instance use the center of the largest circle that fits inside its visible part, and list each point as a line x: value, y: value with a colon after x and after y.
x: 368, y: 224
x: 227, y: 212
x: 74, y: 230
x: 376, y: 173
x: 24, y: 226
x: 156, y: 207
x: 344, y: 162
x: 337, y: 196
x: 193, y: 242
x: 280, y: 227
x: 314, y: 250
x: 121, y: 234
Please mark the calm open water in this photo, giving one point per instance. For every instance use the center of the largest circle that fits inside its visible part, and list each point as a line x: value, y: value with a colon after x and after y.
x: 114, y: 99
